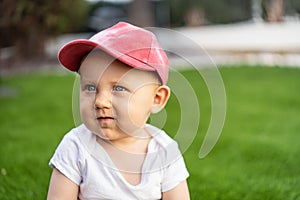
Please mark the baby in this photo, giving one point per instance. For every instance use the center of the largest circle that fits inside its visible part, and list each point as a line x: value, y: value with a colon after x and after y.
x: 115, y: 154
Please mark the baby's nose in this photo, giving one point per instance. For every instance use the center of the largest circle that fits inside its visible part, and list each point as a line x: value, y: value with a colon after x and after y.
x: 103, y: 100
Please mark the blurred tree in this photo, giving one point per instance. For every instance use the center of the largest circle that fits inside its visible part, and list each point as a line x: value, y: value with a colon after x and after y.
x: 26, y: 24
x: 179, y: 10
x: 295, y: 6
x: 273, y: 10
x: 140, y: 13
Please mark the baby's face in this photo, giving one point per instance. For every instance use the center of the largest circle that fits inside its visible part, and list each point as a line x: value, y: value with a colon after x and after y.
x: 115, y: 99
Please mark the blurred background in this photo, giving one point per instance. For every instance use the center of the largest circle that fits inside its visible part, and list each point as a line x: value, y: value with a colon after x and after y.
x: 232, y: 31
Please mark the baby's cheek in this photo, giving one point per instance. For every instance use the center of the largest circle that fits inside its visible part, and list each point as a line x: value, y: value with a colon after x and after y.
x: 137, y: 115
x: 86, y: 110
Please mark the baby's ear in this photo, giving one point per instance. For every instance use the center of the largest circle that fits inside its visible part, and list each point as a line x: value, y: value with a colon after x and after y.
x: 161, y: 97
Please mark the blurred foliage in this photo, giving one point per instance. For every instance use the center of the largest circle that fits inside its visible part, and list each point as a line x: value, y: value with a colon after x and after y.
x: 214, y: 11
x: 292, y: 7
x: 223, y: 11
x: 51, y: 17
x: 28, y: 23
x: 226, y: 11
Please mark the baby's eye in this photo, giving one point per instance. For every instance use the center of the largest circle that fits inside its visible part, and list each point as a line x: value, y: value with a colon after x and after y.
x: 90, y: 88
x: 118, y: 88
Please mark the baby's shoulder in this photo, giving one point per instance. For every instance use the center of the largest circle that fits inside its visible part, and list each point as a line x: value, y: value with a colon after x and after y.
x: 78, y: 136
x: 159, y: 135
x: 163, y: 147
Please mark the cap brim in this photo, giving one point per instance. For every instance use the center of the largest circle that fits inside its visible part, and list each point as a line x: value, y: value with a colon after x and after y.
x: 71, y: 55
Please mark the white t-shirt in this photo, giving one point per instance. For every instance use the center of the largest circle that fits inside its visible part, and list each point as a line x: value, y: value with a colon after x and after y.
x: 84, y: 161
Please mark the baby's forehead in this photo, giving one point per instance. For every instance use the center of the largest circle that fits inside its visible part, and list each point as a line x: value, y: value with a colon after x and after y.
x: 98, y: 64
x: 132, y: 77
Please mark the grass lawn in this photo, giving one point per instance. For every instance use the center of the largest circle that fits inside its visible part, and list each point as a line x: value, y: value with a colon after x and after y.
x: 256, y: 157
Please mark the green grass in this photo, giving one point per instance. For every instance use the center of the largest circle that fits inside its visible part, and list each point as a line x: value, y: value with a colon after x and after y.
x: 256, y: 157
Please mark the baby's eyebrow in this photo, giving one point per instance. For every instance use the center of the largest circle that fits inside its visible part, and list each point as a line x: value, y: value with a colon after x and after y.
x: 86, y: 80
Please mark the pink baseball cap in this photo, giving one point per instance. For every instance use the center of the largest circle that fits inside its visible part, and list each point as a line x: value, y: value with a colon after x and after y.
x: 129, y: 44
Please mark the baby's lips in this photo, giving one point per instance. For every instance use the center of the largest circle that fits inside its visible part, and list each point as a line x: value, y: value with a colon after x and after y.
x: 105, y: 117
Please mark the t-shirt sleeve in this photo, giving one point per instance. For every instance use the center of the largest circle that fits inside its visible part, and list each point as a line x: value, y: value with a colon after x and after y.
x: 175, y: 170
x: 67, y: 158
x: 174, y: 174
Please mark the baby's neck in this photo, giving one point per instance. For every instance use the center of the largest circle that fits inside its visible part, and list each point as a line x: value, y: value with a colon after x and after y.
x: 136, y: 143
x: 128, y: 157
x: 131, y: 145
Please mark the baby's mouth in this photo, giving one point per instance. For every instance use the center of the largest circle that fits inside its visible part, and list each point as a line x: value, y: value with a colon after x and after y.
x: 105, y: 118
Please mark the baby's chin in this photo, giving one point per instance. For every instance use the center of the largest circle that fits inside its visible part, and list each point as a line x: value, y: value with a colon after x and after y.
x: 109, y: 135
